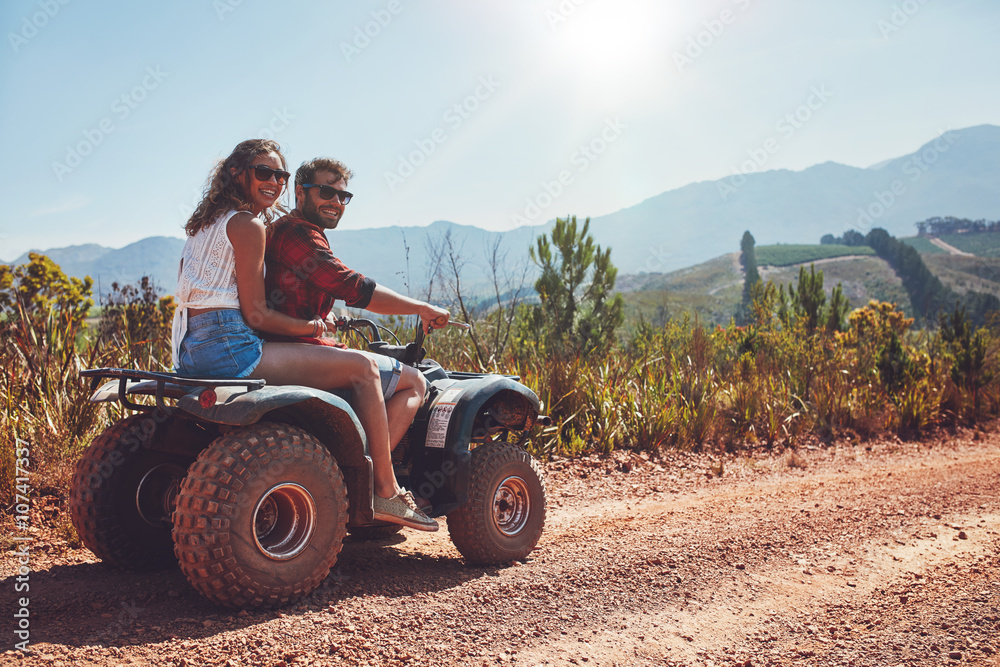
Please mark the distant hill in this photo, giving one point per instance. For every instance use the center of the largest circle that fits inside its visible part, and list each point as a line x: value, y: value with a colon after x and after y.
x: 156, y: 257
x: 394, y: 256
x: 399, y: 257
x: 957, y: 174
x: 713, y: 289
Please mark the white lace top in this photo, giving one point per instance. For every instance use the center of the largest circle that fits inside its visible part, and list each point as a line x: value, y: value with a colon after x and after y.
x: 206, y: 277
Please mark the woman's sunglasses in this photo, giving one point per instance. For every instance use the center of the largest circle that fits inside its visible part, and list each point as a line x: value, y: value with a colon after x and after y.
x: 327, y: 192
x: 264, y: 174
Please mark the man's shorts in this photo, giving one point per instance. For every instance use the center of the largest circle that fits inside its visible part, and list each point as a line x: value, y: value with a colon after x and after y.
x: 390, y: 370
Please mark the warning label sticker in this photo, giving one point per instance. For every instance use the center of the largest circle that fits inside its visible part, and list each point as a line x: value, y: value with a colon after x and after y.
x: 437, y: 425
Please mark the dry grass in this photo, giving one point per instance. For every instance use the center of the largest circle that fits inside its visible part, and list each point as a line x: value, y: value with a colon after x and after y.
x: 676, y: 386
x: 687, y: 387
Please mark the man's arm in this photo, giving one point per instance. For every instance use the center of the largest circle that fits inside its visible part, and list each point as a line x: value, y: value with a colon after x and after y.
x: 305, y: 272
x: 387, y: 302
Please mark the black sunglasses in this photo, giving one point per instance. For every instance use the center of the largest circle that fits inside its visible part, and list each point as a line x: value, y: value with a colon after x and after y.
x: 327, y: 192
x: 263, y: 174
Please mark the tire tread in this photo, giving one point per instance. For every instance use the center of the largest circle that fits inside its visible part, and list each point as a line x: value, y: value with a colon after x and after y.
x: 93, y: 508
x: 467, y: 525
x: 207, y: 502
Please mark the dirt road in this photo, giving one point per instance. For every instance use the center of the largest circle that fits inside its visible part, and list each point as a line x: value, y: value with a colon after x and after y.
x: 878, y: 554
x: 947, y: 247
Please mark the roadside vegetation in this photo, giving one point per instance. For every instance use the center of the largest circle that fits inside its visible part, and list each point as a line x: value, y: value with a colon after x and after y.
x: 799, y: 366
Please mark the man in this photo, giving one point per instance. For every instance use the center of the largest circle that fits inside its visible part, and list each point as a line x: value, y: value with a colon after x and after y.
x: 303, y: 279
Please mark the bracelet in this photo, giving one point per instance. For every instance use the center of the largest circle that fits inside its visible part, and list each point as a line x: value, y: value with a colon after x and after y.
x: 315, y: 331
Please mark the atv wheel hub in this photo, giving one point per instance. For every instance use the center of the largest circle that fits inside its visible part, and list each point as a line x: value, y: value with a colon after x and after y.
x: 511, y: 506
x: 284, y: 520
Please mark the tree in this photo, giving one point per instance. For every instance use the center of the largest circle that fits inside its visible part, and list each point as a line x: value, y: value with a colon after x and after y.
x: 971, y: 367
x: 490, y: 319
x: 836, y: 314
x: 808, y: 303
x: 809, y: 299
x: 578, y: 311
x: 39, y: 288
x: 751, y: 276
x: 854, y: 238
x: 928, y: 294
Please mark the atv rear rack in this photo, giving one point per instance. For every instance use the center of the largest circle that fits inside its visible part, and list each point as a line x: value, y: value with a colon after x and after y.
x: 125, y: 375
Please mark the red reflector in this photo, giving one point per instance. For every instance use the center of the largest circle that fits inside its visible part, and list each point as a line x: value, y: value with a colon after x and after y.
x: 207, y: 398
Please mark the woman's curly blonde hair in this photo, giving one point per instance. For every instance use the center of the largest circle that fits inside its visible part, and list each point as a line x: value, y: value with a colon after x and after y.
x: 224, y: 190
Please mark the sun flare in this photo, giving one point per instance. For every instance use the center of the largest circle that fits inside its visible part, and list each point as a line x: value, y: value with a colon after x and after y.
x: 606, y: 42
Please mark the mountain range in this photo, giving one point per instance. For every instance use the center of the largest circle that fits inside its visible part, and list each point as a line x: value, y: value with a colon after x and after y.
x: 957, y: 174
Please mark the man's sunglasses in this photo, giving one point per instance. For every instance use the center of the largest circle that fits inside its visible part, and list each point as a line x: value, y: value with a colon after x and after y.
x: 327, y: 192
x: 264, y: 174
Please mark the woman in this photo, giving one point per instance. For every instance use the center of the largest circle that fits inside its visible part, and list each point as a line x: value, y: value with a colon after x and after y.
x: 220, y: 287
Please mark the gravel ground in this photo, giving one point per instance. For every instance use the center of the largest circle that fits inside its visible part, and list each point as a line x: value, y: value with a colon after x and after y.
x: 847, y: 554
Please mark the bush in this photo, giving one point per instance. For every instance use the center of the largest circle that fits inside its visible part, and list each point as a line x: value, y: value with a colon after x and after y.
x: 680, y: 385
x: 44, y: 344
x: 768, y: 383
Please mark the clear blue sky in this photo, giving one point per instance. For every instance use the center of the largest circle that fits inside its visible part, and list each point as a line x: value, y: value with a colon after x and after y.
x: 154, y: 92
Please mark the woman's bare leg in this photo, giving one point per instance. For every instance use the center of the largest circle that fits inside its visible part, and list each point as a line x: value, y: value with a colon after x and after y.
x: 323, y: 367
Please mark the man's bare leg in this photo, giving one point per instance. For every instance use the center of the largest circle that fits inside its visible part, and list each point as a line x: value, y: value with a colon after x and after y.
x: 402, y: 407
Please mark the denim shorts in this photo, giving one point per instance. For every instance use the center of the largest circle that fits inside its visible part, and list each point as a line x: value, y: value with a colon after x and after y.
x: 389, y: 371
x: 219, y: 344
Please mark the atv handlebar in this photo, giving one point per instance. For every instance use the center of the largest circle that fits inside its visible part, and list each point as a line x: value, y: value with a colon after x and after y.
x: 410, y: 354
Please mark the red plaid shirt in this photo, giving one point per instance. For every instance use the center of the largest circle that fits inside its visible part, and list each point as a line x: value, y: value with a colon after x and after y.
x: 303, y: 278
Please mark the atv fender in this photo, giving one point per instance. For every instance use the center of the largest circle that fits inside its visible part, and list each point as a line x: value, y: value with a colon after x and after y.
x: 462, y: 411
x: 497, y: 399
x: 325, y: 415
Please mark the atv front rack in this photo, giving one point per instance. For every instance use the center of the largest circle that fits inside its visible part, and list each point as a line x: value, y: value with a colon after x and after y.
x: 176, y: 383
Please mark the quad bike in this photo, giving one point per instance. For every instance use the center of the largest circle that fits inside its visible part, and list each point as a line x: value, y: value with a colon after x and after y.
x: 252, y: 488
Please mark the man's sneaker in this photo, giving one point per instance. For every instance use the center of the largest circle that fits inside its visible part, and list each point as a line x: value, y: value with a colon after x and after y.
x: 402, y: 509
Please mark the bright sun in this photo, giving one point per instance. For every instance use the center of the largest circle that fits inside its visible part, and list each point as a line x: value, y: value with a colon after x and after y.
x: 606, y: 42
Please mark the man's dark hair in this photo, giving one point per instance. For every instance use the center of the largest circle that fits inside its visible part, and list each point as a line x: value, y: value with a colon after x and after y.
x: 307, y: 172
